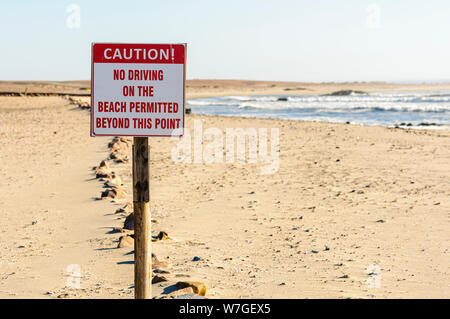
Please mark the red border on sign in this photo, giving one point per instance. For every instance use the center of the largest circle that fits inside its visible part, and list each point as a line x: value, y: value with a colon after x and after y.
x: 176, y: 60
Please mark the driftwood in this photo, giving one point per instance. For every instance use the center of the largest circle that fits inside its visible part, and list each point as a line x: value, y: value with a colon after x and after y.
x: 42, y: 94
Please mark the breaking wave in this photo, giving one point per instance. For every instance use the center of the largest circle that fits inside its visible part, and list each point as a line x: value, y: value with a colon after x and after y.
x: 430, y: 110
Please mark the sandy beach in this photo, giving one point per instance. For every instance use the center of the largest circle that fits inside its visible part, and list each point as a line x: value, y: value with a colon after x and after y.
x: 352, y: 212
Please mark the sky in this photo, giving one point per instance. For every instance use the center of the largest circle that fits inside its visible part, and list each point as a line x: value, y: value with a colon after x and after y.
x: 302, y: 40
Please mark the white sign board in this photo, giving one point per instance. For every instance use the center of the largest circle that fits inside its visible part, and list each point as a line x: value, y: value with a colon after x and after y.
x: 138, y: 89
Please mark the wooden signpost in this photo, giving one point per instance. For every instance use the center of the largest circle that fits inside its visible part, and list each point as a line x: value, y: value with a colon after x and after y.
x: 139, y: 90
x: 141, y: 205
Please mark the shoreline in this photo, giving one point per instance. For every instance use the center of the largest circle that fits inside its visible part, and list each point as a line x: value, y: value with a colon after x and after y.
x: 197, y: 89
x: 210, y: 88
x: 431, y: 127
x: 397, y: 111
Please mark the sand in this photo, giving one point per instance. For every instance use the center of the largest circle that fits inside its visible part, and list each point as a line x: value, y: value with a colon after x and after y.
x: 347, y: 203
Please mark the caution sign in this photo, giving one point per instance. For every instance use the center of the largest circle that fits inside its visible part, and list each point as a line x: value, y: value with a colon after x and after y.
x: 138, y: 89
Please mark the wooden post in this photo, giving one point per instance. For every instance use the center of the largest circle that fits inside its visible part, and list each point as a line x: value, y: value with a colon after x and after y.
x: 141, y: 204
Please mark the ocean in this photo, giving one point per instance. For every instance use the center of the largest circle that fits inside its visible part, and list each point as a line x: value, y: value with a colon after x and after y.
x: 429, y: 110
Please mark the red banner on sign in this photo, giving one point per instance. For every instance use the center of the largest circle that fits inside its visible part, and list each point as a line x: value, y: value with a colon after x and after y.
x: 138, y: 53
